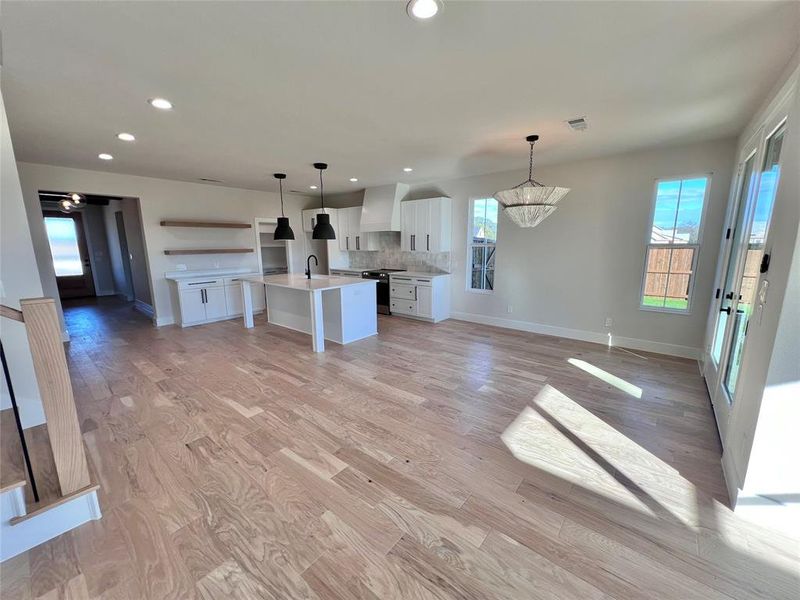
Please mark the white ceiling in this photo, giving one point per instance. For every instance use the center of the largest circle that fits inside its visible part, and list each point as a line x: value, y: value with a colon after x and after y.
x: 263, y: 87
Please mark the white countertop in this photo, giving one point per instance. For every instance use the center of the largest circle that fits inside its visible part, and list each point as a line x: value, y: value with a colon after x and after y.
x: 316, y: 283
x: 182, y: 275
x: 417, y: 274
x: 353, y: 269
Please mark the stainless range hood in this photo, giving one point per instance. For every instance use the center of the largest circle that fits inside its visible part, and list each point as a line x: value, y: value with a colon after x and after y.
x: 381, y: 210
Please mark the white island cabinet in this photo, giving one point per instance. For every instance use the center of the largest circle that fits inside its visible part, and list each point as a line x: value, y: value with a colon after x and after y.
x: 340, y: 309
x: 201, y: 299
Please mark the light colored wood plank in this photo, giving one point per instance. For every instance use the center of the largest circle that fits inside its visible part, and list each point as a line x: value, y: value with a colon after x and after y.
x: 305, y: 486
x: 11, y: 313
x: 55, y: 389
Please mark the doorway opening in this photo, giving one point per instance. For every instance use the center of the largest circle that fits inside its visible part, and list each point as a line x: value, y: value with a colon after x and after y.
x: 97, y: 247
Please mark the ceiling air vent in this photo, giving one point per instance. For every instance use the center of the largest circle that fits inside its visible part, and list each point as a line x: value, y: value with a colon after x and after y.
x: 578, y: 124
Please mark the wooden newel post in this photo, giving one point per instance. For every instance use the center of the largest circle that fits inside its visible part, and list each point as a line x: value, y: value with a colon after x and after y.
x: 55, y: 388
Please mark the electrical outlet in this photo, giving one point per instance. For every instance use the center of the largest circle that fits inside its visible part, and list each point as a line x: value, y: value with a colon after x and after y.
x: 609, y: 321
x: 509, y: 309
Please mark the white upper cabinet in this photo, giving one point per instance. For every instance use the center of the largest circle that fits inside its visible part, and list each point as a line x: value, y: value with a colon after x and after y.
x: 349, y: 234
x: 381, y: 211
x: 426, y: 225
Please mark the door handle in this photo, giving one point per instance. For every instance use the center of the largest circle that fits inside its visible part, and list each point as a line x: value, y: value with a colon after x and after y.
x: 725, y: 310
x: 428, y: 241
x: 413, y: 241
x: 347, y: 242
x: 358, y: 242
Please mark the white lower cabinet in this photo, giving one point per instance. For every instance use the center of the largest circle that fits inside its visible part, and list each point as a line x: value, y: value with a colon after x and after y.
x: 233, y: 297
x: 205, y: 300
x: 193, y: 307
x: 215, y: 303
x: 421, y: 297
x: 425, y: 301
x: 403, y: 307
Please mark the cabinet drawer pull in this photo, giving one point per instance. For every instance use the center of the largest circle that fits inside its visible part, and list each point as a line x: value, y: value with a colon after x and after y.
x: 201, y: 283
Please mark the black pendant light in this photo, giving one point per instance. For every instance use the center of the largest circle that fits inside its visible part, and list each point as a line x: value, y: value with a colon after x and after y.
x: 282, y: 231
x: 323, y: 229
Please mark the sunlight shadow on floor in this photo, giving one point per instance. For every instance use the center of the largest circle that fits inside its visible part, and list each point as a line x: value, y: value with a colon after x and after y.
x: 607, y: 377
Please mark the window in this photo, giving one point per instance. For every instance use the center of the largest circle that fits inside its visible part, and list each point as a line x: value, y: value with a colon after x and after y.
x: 63, y: 238
x: 673, y: 244
x: 482, y: 239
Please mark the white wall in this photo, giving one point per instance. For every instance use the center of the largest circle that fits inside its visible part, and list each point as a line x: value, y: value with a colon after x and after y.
x: 17, y: 280
x: 160, y: 199
x: 584, y: 263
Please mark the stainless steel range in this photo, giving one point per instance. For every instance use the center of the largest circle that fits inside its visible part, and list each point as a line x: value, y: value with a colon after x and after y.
x: 382, y: 275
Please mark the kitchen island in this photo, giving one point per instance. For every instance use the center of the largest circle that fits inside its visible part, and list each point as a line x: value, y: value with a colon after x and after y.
x: 340, y: 309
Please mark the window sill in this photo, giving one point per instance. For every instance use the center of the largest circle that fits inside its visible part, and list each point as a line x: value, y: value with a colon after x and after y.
x: 484, y: 292
x: 660, y: 309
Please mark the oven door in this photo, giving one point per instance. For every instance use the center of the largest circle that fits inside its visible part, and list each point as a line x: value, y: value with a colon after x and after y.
x: 382, y: 293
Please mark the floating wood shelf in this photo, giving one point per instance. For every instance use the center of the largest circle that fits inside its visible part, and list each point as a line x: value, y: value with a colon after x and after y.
x: 209, y: 251
x: 218, y: 224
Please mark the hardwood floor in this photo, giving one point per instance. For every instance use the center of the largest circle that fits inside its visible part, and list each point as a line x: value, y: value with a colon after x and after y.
x: 446, y: 461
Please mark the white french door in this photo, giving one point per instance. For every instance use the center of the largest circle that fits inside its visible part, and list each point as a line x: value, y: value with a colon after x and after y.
x: 743, y: 253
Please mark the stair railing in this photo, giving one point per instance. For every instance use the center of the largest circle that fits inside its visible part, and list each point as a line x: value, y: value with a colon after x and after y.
x: 55, y: 388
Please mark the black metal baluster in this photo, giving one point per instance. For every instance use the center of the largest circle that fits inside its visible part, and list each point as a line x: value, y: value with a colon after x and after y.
x: 19, y: 424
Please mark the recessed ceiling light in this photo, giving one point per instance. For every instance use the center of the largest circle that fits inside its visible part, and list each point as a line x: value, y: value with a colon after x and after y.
x: 76, y: 197
x: 126, y: 137
x: 354, y: 179
x: 104, y: 156
x: 312, y: 187
x: 161, y: 103
x: 423, y: 9
x: 408, y: 169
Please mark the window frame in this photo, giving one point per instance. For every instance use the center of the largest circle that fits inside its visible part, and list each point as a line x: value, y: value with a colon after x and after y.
x: 696, y: 246
x: 471, y: 244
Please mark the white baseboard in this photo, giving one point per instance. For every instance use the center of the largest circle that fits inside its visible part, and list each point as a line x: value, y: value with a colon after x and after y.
x: 162, y: 321
x: 144, y: 308
x: 106, y: 293
x: 579, y: 334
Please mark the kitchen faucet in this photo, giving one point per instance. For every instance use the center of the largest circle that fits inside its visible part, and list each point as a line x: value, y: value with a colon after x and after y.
x: 308, y: 264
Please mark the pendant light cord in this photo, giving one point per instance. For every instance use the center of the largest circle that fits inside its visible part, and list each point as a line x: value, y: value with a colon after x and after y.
x: 321, y: 192
x: 280, y: 183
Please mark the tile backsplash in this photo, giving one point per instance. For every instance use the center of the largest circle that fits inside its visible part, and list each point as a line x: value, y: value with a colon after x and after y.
x: 391, y: 257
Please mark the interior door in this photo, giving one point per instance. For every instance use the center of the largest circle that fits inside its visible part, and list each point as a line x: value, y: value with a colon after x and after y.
x: 746, y: 262
x: 70, y: 255
x: 125, y: 254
